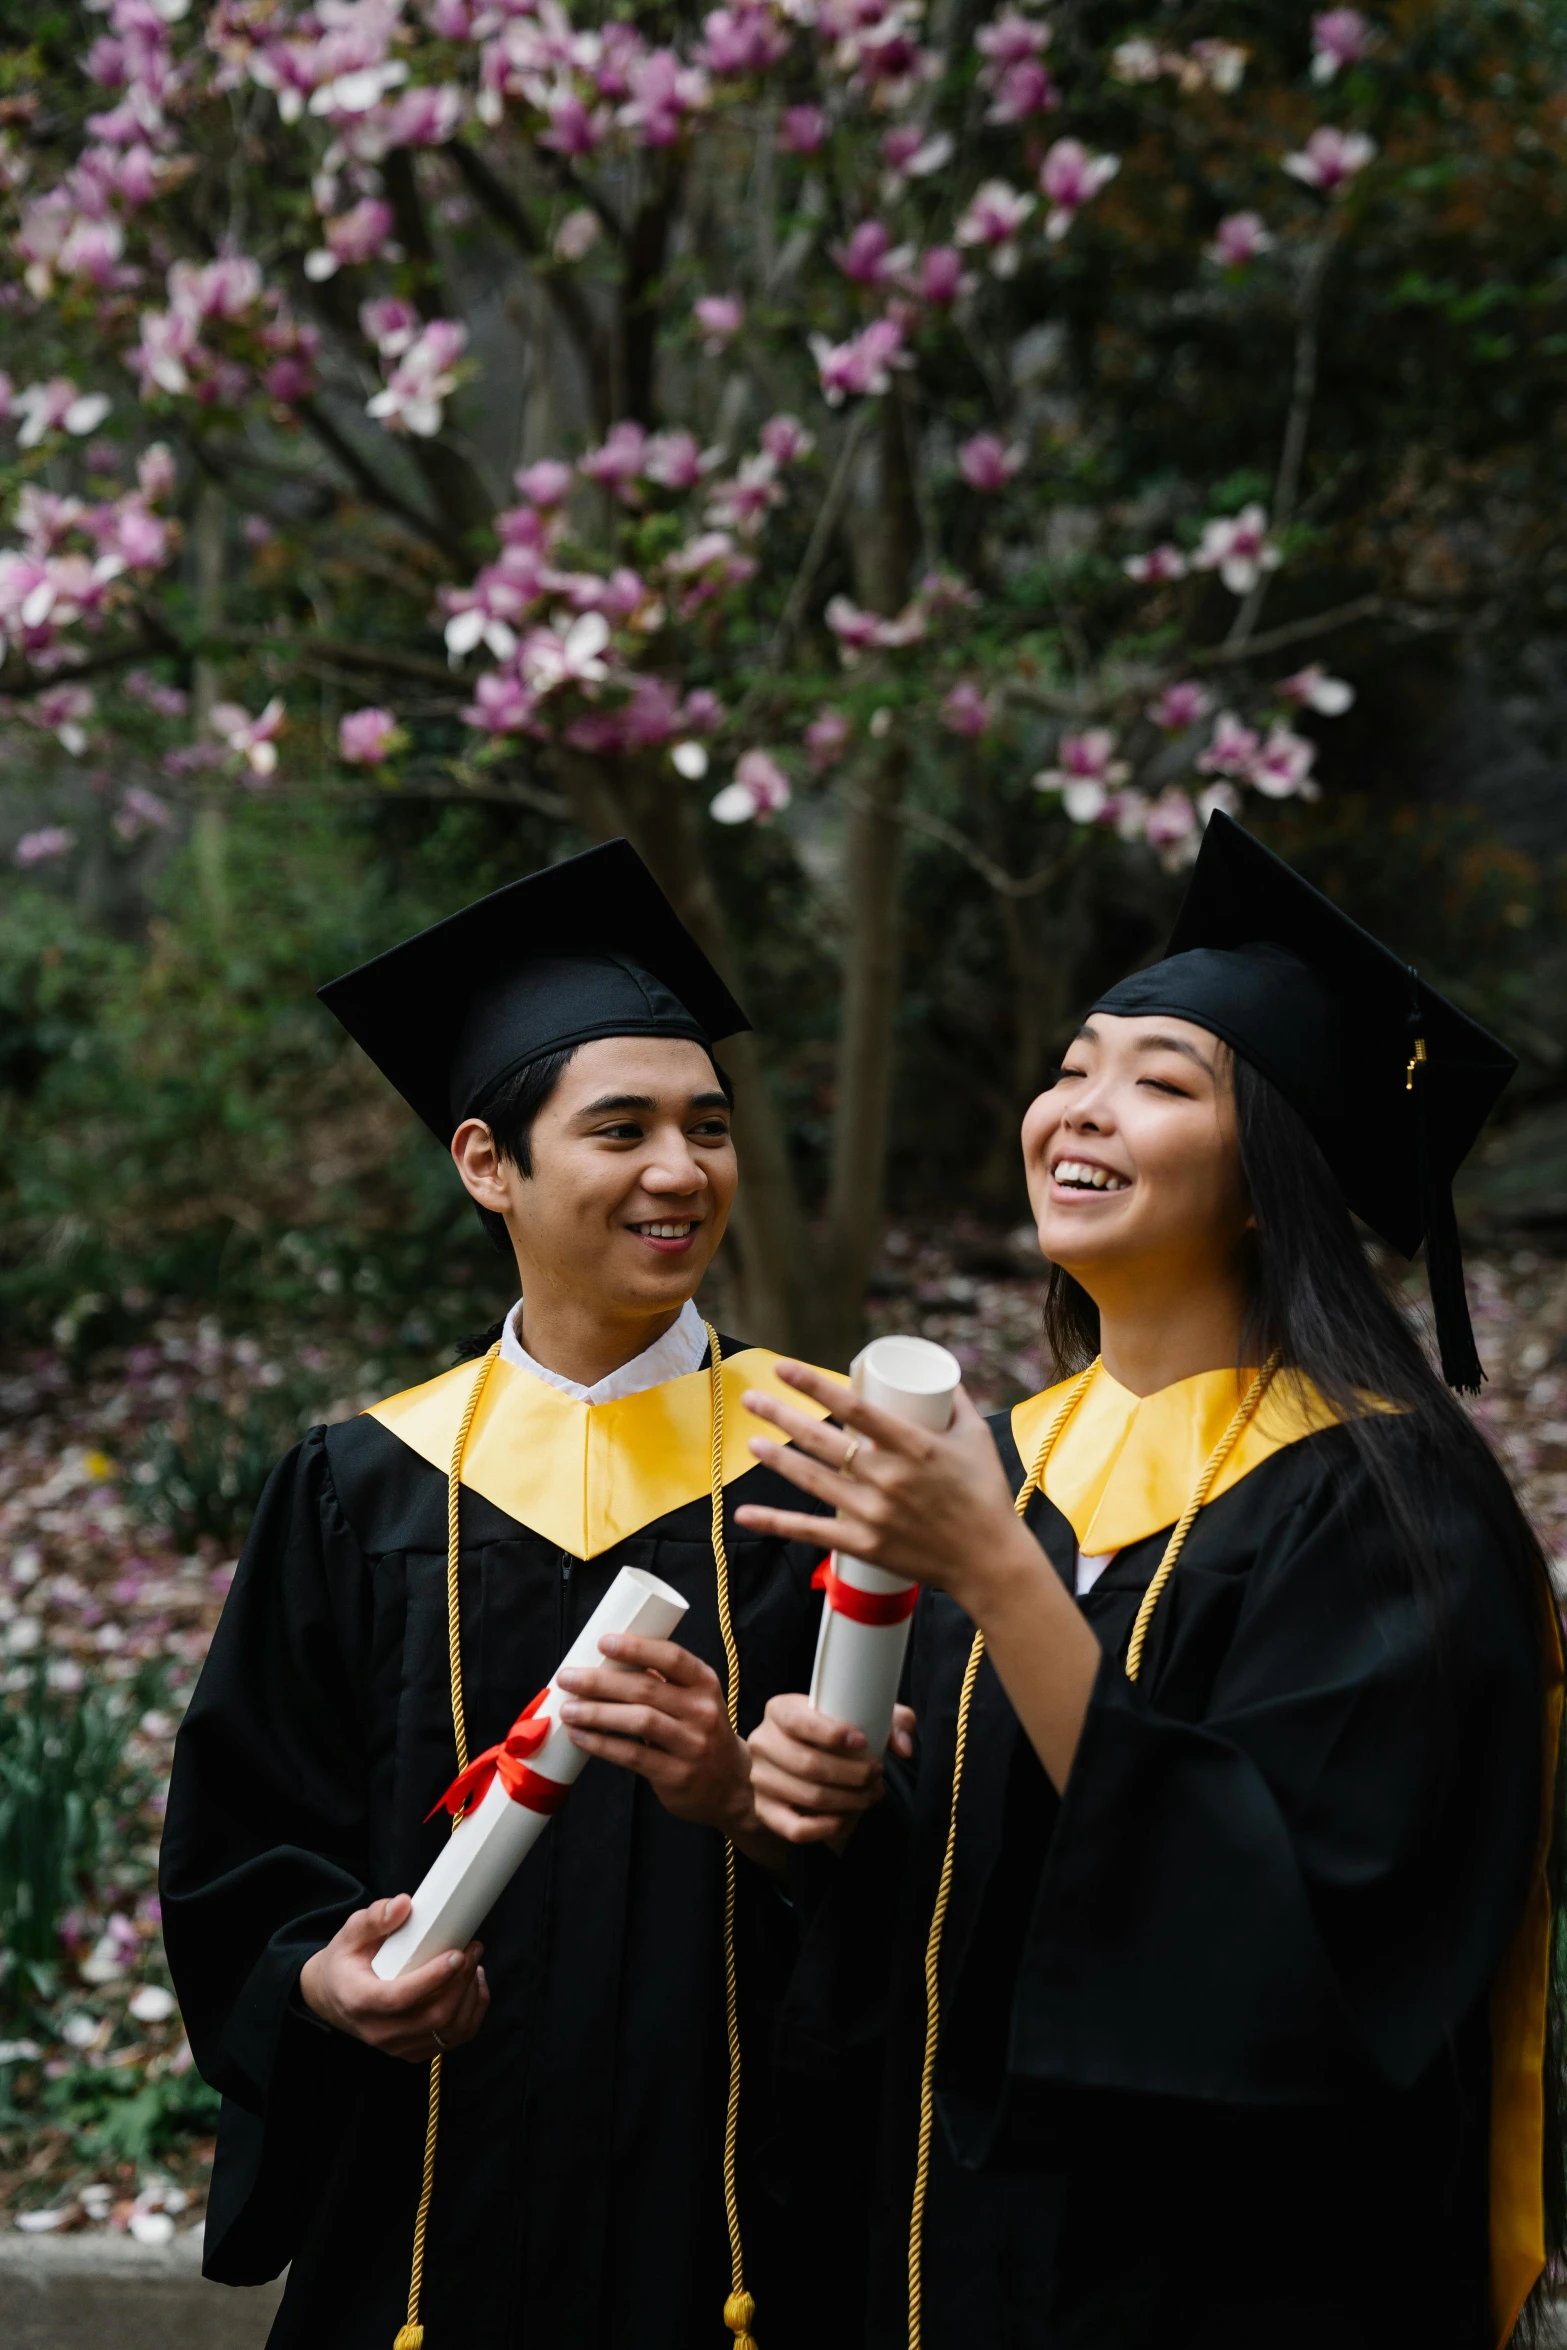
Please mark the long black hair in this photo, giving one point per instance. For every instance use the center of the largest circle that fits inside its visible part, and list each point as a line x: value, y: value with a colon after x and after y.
x: 1315, y: 1299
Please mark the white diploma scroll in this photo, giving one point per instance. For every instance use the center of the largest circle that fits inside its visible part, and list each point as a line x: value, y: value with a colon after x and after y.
x: 538, y: 1766
x: 867, y: 1613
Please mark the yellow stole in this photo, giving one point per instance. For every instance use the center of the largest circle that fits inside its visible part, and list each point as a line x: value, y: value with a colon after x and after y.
x: 1123, y: 1469
x: 587, y: 1475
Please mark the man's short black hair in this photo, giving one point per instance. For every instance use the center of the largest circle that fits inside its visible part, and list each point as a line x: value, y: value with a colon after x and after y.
x: 509, y: 1115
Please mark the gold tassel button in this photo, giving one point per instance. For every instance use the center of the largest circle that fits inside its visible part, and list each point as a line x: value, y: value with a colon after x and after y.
x: 739, y: 2316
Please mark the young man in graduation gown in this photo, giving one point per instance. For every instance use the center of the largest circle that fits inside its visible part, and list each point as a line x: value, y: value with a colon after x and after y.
x: 1223, y: 1835
x: 558, y: 1037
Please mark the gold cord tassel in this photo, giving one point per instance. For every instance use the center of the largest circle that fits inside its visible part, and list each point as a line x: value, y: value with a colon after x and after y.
x: 739, y: 2309
x: 410, y: 2336
x: 1247, y: 1410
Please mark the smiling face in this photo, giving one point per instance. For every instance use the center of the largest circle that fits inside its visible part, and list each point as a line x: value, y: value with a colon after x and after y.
x: 1132, y: 1161
x: 633, y: 1176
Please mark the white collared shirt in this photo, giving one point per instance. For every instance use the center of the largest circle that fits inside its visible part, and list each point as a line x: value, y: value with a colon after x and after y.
x: 681, y: 1349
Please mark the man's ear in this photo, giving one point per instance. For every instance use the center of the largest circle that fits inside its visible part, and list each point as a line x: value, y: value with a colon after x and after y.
x: 478, y: 1162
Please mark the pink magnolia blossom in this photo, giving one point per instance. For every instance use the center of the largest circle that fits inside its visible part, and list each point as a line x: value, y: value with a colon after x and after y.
x: 554, y: 657
x: 546, y: 484
x: 575, y: 130
x: 942, y: 277
x: 501, y: 703
x: 663, y: 93
x: 786, y: 440
x: 252, y: 739
x: 422, y: 380
x: 1238, y: 239
x: 619, y: 461
x: 1331, y: 159
x: 912, y: 154
x: 1221, y: 64
x: 1011, y: 38
x: 390, y: 324
x: 490, y: 612
x: 578, y: 233
x: 759, y: 790
x: 38, y: 848
x: 861, y: 365
x: 354, y: 237
x: 1157, y: 566
x: 1233, y: 749
x: 63, y: 712
x: 1171, y: 826
x: 1087, y: 774
x: 1313, y: 689
x: 226, y: 288
x: 870, y: 258
x: 57, y: 406
x: 141, y: 811
x: 1339, y: 37
x: 140, y: 538
x: 741, y: 40
x: 677, y: 460
x: 1069, y: 178
x: 802, y: 130
x: 966, y: 710
x: 426, y: 117
x: 1023, y: 90
x: 720, y: 317
x: 160, y: 357
x: 1218, y: 795
x: 744, y: 503
x: 827, y: 738
x: 993, y: 220
x: 1282, y: 768
x: 988, y: 463
x: 92, y: 249
x: 860, y: 632
x: 1181, y: 705
x: 366, y: 737
x: 1237, y: 546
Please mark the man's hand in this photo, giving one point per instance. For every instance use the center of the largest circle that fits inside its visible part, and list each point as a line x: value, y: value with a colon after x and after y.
x: 811, y: 1777
x: 659, y: 1711
x: 437, y: 2007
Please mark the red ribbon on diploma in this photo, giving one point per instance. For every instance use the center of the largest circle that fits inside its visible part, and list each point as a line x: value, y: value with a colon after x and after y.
x: 508, y: 1762
x: 863, y: 1607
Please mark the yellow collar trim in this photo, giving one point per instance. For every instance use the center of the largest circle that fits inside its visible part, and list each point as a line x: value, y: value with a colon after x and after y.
x: 1125, y: 1466
x: 586, y: 1475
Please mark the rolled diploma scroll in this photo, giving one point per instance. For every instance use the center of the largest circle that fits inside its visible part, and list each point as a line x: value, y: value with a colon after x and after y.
x: 489, y: 1845
x: 859, y: 1665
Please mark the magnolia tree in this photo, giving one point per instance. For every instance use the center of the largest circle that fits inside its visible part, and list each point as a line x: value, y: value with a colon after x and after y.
x: 771, y: 418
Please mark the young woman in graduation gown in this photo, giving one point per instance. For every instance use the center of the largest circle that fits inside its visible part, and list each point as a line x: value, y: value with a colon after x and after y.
x: 1205, y: 1916
x: 552, y: 2109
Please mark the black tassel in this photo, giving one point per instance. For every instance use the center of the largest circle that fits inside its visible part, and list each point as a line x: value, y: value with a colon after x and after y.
x: 1455, y: 1336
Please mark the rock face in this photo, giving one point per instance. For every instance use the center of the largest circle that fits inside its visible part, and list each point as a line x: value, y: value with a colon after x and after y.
x: 79, y: 2292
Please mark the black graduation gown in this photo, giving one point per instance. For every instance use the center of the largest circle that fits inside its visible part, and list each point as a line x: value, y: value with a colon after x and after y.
x: 1214, y: 2063
x: 578, y: 2191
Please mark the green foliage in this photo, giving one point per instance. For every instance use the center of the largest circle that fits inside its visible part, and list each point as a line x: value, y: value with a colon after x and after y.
x: 203, y: 1474
x: 62, y: 1783
x: 122, y: 2115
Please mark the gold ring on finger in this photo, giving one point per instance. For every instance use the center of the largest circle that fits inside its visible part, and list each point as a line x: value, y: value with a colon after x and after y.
x: 847, y: 1462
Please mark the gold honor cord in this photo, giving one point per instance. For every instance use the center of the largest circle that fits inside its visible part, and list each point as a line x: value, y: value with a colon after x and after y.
x: 1246, y: 1412
x: 410, y: 2335
x: 739, y: 2308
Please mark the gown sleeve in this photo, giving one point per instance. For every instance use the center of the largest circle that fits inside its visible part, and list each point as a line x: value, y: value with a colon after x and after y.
x: 263, y: 1858
x: 1296, y: 1887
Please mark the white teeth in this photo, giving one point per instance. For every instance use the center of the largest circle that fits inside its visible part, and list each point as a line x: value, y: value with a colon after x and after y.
x: 664, y: 1231
x: 1080, y: 1175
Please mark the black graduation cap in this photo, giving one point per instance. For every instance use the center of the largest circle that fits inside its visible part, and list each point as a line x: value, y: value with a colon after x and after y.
x: 1393, y: 1080
x: 590, y: 947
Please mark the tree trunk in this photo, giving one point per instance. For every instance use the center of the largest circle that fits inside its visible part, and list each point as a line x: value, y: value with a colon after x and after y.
x: 885, y: 542
x: 777, y: 1296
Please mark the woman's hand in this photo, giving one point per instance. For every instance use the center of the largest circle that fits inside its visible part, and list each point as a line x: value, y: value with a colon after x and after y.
x: 934, y: 1508
x: 665, y: 1719
x: 811, y: 1776
x: 438, y: 2006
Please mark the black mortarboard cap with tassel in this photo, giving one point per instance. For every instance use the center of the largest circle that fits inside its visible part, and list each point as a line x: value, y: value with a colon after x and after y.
x: 1394, y: 1081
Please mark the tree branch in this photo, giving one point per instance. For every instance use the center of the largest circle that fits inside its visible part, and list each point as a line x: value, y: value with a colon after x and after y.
x: 373, y: 486
x: 509, y: 214
x: 1005, y: 885
x: 1303, y: 388
x: 827, y: 515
